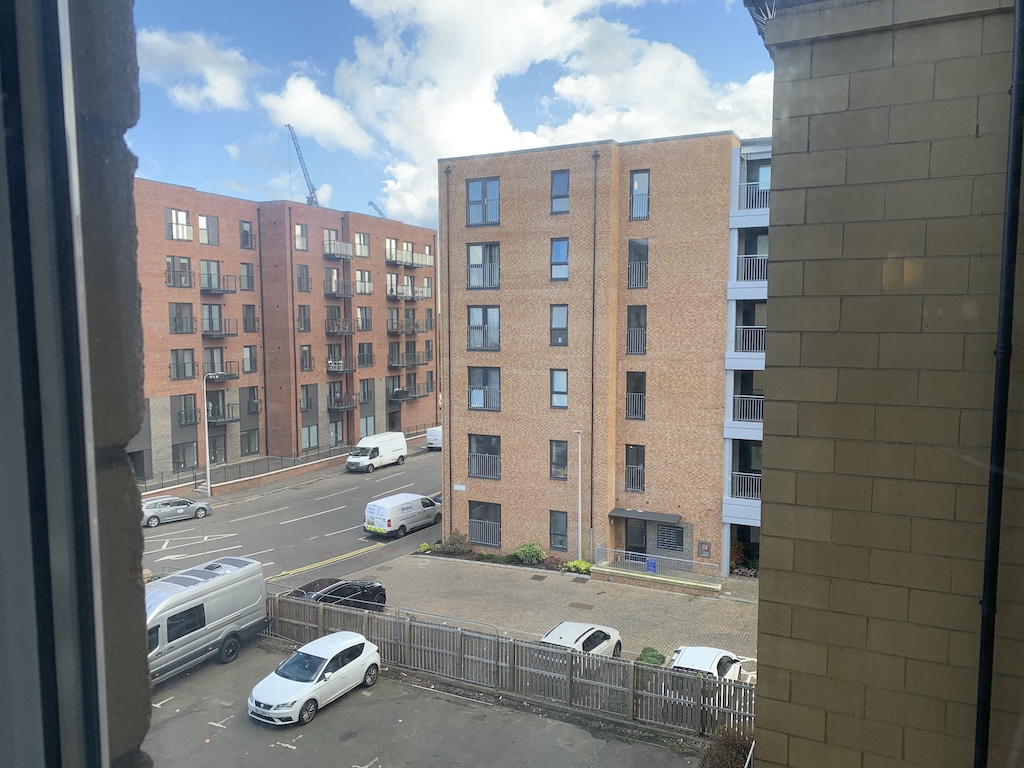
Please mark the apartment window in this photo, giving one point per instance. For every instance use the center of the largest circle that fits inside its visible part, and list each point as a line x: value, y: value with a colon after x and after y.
x: 247, y: 276
x: 636, y: 269
x: 485, y: 523
x: 558, y: 525
x: 213, y: 321
x: 428, y: 319
x: 366, y: 390
x: 363, y: 319
x: 429, y: 381
x: 183, y: 365
x: 639, y: 194
x: 485, y: 389
x: 364, y: 282
x: 390, y: 248
x: 249, y: 440
x: 362, y: 248
x: 751, y: 322
x: 482, y: 201
x: 246, y: 238
x: 393, y: 386
x: 218, y: 449
x: 304, y: 317
x: 636, y: 395
x: 213, y: 360
x: 185, y: 455
x: 209, y: 274
x: 187, y: 411
x: 179, y: 272
x: 252, y: 398
x: 177, y: 225
x: 428, y: 351
x: 636, y: 330
x: 392, y: 283
x: 181, y: 320
x: 560, y: 258
x: 304, y: 281
x: 249, y: 359
x: 310, y: 437
x: 395, y: 353
x: 306, y: 357
x: 559, y: 325
x: 635, y: 468
x: 250, y: 323
x: 331, y: 242
x: 485, y: 456
x: 301, y: 241
x: 428, y: 287
x: 483, y: 265
x: 367, y: 426
x: 484, y: 327
x: 366, y: 354
x: 559, y: 191
x: 559, y: 451
x: 559, y: 388
x: 306, y: 397
x: 209, y: 233
x: 671, y: 537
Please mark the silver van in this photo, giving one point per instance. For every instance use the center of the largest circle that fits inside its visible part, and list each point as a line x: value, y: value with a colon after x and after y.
x: 208, y: 610
x: 397, y: 515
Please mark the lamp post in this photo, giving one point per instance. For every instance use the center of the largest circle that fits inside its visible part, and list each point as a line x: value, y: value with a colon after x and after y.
x: 579, y: 493
x: 206, y: 432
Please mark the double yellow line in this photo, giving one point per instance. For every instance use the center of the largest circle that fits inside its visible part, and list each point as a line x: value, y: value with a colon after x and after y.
x: 329, y: 561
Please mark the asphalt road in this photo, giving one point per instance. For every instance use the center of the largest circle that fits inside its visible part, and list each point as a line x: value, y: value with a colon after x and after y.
x: 299, y: 531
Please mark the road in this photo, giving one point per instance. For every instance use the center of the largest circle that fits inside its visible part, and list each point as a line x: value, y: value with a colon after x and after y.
x: 298, y: 532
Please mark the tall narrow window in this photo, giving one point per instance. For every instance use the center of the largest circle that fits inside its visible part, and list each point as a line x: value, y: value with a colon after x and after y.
x: 209, y: 233
x: 305, y: 357
x: 485, y: 456
x: 250, y: 323
x: 559, y: 450
x: 559, y: 388
x: 305, y: 282
x: 301, y: 241
x: 482, y: 197
x: 177, y: 226
x: 249, y: 359
x: 636, y: 395
x: 635, y: 468
x: 362, y: 248
x: 246, y: 238
x: 560, y: 258
x: 636, y: 272
x: 179, y: 271
x: 484, y: 389
x: 636, y: 330
x: 484, y: 328
x: 559, y: 528
x: 559, y: 325
x: 559, y: 191
x: 639, y: 194
x: 303, y: 317
x: 247, y: 276
x: 483, y: 265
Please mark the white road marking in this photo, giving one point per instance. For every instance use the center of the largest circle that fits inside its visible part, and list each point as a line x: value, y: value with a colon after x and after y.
x: 204, y: 553
x: 343, y: 530
x: 258, y: 514
x: 221, y: 723
x: 282, y: 744
x: 166, y: 542
x: 165, y: 536
x: 261, y: 552
x: 368, y: 764
x: 198, y: 540
x: 306, y: 517
x: 321, y: 498
x: 393, y: 490
x: 390, y: 475
x: 163, y: 702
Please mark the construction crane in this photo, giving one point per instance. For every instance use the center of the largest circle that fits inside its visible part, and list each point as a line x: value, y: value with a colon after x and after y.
x: 378, y: 210
x: 311, y: 197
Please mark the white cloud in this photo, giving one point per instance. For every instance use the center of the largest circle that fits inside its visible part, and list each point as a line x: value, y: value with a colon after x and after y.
x: 324, y: 193
x: 232, y: 150
x: 315, y: 114
x: 197, y: 75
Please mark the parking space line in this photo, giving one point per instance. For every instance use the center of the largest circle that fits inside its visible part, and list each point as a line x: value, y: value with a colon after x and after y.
x: 160, y: 704
x: 198, y: 540
x: 221, y: 723
x: 393, y: 490
x: 282, y: 744
x: 453, y: 695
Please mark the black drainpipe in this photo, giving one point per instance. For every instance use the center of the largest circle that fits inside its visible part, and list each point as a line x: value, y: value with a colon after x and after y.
x: 446, y: 439
x: 1000, y: 399
x: 593, y: 354
x: 263, y: 332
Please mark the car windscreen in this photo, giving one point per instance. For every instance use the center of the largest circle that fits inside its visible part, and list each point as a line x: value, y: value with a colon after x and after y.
x: 301, y: 667
x: 360, y: 452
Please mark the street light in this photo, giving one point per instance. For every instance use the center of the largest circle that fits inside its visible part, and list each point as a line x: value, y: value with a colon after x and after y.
x: 579, y: 493
x: 206, y: 431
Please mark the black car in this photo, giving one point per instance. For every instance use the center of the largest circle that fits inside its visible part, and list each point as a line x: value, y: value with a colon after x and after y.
x: 369, y: 595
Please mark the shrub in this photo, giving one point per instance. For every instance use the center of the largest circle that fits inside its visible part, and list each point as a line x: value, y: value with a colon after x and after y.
x: 530, y: 554
x: 578, y: 566
x: 728, y: 748
x: 651, y: 656
x: 456, y: 544
x: 424, y: 547
x: 737, y: 554
x: 554, y: 563
x: 510, y: 559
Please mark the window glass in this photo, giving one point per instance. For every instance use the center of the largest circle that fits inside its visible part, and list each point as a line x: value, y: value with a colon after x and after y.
x: 559, y: 388
x: 559, y: 191
x: 560, y: 259
x: 559, y: 325
x: 181, y: 624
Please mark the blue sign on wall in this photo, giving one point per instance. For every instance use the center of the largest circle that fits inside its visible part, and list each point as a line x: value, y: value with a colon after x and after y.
x: 652, y: 565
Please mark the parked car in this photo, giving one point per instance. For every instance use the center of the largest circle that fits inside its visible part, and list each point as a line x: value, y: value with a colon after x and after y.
x: 708, y: 661
x: 398, y: 514
x: 314, y: 676
x: 164, y: 509
x: 586, y: 638
x: 370, y: 595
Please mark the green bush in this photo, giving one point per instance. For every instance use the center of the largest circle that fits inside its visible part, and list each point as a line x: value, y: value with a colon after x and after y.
x: 424, y: 547
x: 577, y: 566
x: 530, y: 554
x: 651, y: 656
x: 510, y: 559
x: 728, y: 748
x: 456, y: 544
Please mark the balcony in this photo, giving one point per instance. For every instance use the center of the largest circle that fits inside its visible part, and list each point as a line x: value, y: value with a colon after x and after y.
x: 339, y: 326
x: 365, y: 361
x: 183, y: 325
x: 364, y: 324
x: 221, y: 371
x: 750, y: 338
x: 335, y: 249
x: 748, y: 408
x: 425, y: 357
x: 636, y: 274
x: 255, y: 406
x: 180, y: 371
x: 485, y: 532
x: 484, y: 399
x: 345, y: 364
x: 480, y: 212
x: 400, y: 293
x: 247, y: 240
x: 483, y: 276
x: 745, y: 485
x: 179, y: 231
x: 422, y: 260
x: 636, y: 405
x: 179, y: 278
x: 364, y: 287
x: 400, y: 326
x: 188, y: 416
x: 222, y: 414
x: 485, y: 465
x: 217, y: 284
x: 250, y: 324
x: 398, y: 257
x: 338, y: 289
x: 636, y: 341
x: 400, y: 395
x: 639, y: 207
x: 344, y: 401
x: 219, y: 327
x: 754, y: 194
x: 423, y: 326
x: 422, y: 293
x: 402, y: 360
x: 635, y: 478
x: 484, y: 337
x: 361, y: 251
x: 750, y: 268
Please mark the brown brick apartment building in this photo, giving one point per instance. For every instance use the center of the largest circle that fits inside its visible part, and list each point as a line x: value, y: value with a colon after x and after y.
x: 887, y: 212
x: 592, y: 295
x: 310, y: 327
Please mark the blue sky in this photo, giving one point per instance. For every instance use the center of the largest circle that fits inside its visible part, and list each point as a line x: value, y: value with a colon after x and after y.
x: 377, y: 90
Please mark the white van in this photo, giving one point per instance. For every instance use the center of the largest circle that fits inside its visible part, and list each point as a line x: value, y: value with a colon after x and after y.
x: 207, y: 610
x: 434, y: 439
x: 377, y: 450
x: 399, y: 514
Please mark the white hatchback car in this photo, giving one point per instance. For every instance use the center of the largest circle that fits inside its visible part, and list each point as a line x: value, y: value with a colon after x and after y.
x: 707, y: 661
x: 312, y: 677
x: 587, y: 638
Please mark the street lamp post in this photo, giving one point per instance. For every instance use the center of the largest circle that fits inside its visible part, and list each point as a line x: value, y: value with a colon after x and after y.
x: 579, y: 493
x: 206, y: 433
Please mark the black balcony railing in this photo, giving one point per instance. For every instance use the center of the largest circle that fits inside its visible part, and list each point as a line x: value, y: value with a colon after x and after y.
x: 639, y: 206
x: 400, y: 293
x: 188, y: 416
x: 305, y: 284
x: 250, y: 324
x: 365, y: 360
x: 364, y: 287
x: 307, y: 362
x: 212, y: 283
x: 484, y: 337
x: 400, y: 394
x: 636, y: 341
x: 339, y: 326
x: 402, y: 360
x: 219, y: 327
x: 183, y: 325
x: 401, y: 325
x: 636, y: 274
x: 222, y: 414
x: 180, y: 278
x: 247, y: 240
x: 364, y: 324
x: 338, y: 289
x: 247, y: 282
x: 180, y: 371
x: 343, y: 401
x: 345, y: 364
x: 485, y: 211
x: 305, y: 403
x: 226, y: 369
x: 635, y: 477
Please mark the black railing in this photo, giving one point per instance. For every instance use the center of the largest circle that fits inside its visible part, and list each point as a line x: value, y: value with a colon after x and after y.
x: 180, y: 278
x: 339, y: 326
x: 345, y: 364
x: 180, y: 371
x: 227, y: 369
x: 210, y: 283
x: 344, y: 401
x: 183, y: 325
x: 219, y: 327
x: 222, y: 414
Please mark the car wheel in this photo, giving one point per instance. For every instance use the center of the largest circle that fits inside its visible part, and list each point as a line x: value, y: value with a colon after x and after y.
x: 379, y: 599
x: 307, y: 713
x: 200, y: 513
x: 400, y: 532
x: 437, y: 519
x: 371, y: 676
x: 153, y: 522
x: 229, y: 649
x: 369, y: 467
x: 401, y: 459
x: 617, y: 651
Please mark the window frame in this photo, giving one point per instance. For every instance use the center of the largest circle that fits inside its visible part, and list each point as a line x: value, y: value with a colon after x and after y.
x: 554, y: 466
x: 301, y: 237
x: 561, y: 394
x: 245, y: 442
x: 559, y: 334
x: 558, y: 263
x: 483, y: 201
x: 557, y: 196
x: 558, y: 541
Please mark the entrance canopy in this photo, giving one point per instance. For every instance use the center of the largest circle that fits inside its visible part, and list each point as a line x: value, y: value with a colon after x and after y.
x: 643, y: 514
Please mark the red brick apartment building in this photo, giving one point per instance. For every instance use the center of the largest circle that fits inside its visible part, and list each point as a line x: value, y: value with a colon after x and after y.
x: 603, y: 349
x: 306, y: 328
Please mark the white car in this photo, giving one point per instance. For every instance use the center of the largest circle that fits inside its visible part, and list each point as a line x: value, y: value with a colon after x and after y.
x: 312, y: 677
x: 165, y: 509
x: 708, y: 661
x: 586, y: 638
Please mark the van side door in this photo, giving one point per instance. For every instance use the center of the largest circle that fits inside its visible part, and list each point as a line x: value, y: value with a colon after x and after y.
x: 427, y: 511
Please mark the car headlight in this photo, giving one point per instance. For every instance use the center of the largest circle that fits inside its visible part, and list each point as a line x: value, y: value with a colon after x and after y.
x: 288, y: 705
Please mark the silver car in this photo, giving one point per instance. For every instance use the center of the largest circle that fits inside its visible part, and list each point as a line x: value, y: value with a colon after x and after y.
x: 164, y: 509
